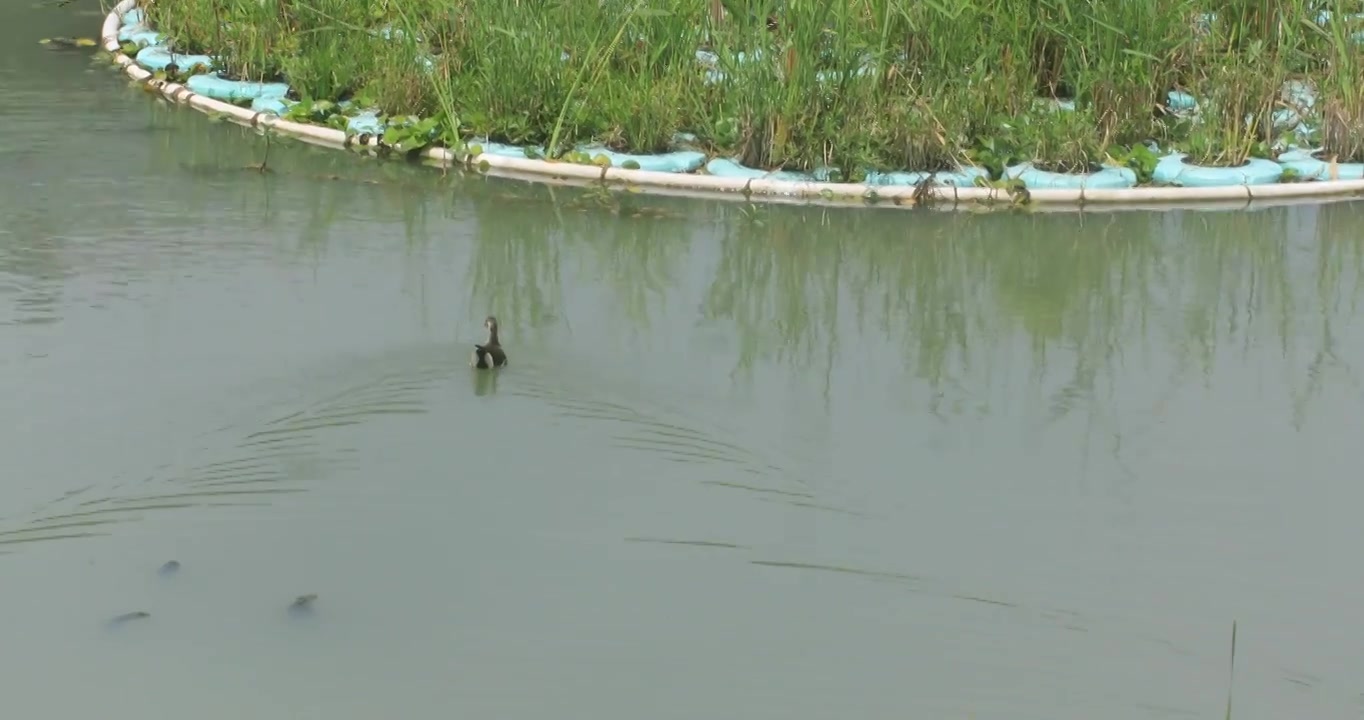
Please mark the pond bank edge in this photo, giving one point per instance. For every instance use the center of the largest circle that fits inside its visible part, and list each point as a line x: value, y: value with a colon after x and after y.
x: 765, y: 189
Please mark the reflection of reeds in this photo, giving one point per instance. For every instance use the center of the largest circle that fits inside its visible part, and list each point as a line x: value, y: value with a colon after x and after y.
x: 515, y: 267
x: 634, y: 244
x: 953, y: 291
x: 778, y: 283
x: 950, y: 292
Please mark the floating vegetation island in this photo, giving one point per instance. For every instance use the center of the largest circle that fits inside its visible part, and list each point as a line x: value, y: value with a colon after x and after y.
x: 1102, y: 94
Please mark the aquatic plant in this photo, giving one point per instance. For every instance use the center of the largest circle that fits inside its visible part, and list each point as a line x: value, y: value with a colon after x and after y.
x: 848, y: 86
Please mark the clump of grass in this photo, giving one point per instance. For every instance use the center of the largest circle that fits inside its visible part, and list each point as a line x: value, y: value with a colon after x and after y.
x: 1341, y: 95
x: 851, y: 84
x: 1240, y: 95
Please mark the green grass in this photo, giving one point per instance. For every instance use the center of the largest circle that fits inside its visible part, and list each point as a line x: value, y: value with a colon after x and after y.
x: 946, y: 80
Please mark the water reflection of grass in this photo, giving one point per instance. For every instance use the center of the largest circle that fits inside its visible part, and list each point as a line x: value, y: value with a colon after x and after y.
x: 520, y: 248
x: 635, y: 246
x: 778, y: 283
x: 953, y: 293
x: 806, y: 287
x: 515, y: 267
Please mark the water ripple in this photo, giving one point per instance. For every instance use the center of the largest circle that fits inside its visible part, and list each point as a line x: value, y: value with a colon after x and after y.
x: 279, y: 457
x: 671, y: 439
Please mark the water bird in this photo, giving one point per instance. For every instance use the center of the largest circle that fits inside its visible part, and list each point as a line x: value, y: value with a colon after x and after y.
x: 490, y: 353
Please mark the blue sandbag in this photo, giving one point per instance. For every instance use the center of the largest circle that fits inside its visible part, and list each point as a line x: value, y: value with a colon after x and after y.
x: 1324, y: 17
x: 720, y: 167
x: 1179, y: 101
x: 428, y: 63
x: 1055, y: 103
x: 271, y: 105
x: 366, y: 122
x: 1301, y: 99
x: 219, y: 89
x: 712, y: 61
x: 712, y: 75
x: 1282, y: 118
x: 682, y: 161
x: 388, y: 32
x: 141, y: 35
x: 157, y: 57
x: 962, y: 177
x: 495, y: 148
x: 837, y: 75
x: 144, y: 38
x: 1310, y: 168
x: 1172, y: 170
x: 1167, y: 167
x: 1300, y: 94
x: 827, y: 174
x: 1111, y: 176
x: 134, y: 28
x: 867, y: 65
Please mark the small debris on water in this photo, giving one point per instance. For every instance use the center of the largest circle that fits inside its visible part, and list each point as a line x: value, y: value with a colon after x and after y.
x: 63, y: 43
x: 303, y: 603
x: 126, y: 617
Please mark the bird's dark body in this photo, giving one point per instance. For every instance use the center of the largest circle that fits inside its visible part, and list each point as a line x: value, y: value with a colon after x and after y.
x: 489, y: 354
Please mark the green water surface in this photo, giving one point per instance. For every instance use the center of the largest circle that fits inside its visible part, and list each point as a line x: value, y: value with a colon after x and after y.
x: 746, y: 462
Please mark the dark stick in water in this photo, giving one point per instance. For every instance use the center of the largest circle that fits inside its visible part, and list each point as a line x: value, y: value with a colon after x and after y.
x: 125, y: 617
